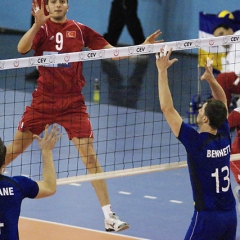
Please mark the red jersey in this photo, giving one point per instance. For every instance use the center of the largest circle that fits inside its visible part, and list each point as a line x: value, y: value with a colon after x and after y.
x: 54, y: 38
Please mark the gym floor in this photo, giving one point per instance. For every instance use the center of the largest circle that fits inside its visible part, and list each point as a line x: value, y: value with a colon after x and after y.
x: 158, y: 205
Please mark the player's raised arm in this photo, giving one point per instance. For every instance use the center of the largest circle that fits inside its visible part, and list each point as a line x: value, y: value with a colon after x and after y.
x: 217, y: 91
x: 47, y: 186
x: 166, y: 103
x: 25, y: 42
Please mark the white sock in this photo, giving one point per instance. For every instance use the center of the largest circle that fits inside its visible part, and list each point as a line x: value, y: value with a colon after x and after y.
x: 106, y: 210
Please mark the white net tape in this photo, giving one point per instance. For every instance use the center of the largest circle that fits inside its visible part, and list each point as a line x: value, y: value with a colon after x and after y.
x: 116, y: 52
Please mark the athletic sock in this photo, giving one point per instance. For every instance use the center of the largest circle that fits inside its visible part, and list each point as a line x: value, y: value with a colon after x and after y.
x: 106, y: 210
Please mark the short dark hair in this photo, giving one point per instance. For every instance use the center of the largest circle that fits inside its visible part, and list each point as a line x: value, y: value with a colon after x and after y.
x: 216, y: 112
x: 225, y: 26
x: 48, y: 1
x: 3, y: 151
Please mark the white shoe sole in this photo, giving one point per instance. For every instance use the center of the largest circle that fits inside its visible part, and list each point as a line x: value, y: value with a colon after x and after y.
x: 121, y: 228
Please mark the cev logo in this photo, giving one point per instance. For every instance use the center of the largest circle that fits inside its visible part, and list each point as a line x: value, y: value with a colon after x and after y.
x: 99, y: 54
x: 41, y: 60
x: 91, y: 55
x: 140, y: 49
x: 187, y: 44
x: 234, y: 39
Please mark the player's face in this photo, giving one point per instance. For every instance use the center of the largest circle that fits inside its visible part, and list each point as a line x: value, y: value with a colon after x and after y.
x: 58, y: 8
x: 201, y: 114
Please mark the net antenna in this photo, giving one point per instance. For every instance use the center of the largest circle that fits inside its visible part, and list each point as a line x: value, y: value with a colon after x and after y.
x: 128, y: 140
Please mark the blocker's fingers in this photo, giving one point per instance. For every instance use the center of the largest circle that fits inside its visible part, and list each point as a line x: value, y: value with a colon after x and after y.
x: 165, y: 50
x: 157, y: 55
x: 209, y: 62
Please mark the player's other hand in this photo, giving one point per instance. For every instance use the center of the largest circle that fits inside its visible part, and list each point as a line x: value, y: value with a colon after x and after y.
x: 38, y: 13
x: 153, y: 38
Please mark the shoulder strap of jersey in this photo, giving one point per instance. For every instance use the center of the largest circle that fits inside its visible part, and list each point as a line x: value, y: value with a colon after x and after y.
x: 4, y: 178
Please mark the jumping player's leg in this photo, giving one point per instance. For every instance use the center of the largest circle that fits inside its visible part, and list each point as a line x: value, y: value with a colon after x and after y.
x: 89, y: 158
x: 20, y: 142
x: 32, y: 122
x: 81, y: 133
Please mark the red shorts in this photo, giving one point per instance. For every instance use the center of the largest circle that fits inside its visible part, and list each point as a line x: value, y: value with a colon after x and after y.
x: 67, y: 111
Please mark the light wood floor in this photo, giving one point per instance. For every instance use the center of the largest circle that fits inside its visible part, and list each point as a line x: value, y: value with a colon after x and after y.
x: 32, y: 229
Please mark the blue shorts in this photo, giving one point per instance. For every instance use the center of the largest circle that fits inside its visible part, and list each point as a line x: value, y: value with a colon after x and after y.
x: 214, y: 225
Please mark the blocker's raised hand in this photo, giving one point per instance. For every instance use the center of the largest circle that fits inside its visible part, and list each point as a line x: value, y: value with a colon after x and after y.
x: 162, y: 59
x: 49, y: 139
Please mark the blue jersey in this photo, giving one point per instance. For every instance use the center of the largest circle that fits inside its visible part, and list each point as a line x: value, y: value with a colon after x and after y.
x: 208, y: 158
x: 12, y: 191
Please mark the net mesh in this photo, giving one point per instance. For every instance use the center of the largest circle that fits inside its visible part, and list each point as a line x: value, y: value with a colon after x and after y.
x: 131, y: 134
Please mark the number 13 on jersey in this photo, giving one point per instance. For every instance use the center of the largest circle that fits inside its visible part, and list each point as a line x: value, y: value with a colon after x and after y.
x: 226, y: 179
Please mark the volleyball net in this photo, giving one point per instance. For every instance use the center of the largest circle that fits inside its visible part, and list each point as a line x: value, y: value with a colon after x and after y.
x: 131, y: 133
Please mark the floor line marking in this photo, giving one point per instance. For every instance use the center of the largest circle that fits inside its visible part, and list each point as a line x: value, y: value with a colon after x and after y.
x: 150, y: 197
x: 175, y: 201
x: 125, y: 193
x: 75, y: 184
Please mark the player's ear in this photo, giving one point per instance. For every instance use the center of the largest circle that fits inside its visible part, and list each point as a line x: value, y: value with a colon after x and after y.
x: 205, y: 119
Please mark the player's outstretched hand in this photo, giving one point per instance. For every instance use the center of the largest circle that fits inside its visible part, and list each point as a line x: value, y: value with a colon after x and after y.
x: 49, y: 139
x: 153, y: 38
x: 208, y: 74
x: 38, y: 13
x: 162, y: 59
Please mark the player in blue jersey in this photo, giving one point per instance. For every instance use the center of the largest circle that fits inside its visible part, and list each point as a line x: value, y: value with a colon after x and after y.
x: 208, y: 156
x: 14, y: 189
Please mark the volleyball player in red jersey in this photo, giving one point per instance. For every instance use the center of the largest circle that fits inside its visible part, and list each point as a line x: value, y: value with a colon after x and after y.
x: 58, y: 97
